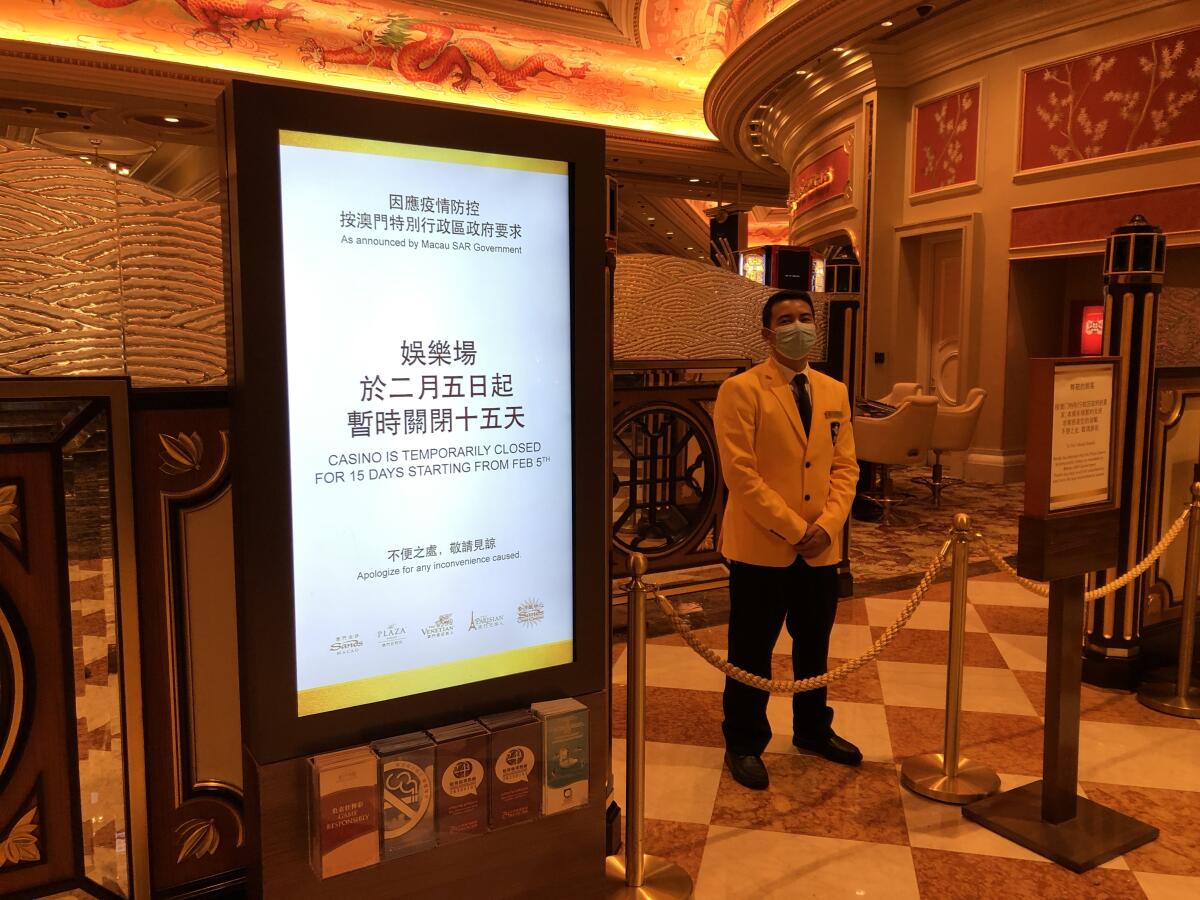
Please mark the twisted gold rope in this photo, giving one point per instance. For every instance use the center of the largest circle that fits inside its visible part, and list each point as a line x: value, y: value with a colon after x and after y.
x: 783, y: 686
x: 1136, y: 572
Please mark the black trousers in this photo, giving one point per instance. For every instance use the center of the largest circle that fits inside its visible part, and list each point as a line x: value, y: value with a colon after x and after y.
x: 761, y: 600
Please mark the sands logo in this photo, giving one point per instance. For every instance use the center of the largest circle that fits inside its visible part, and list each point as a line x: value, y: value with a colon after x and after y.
x: 345, y: 644
x: 531, y: 612
x: 442, y: 627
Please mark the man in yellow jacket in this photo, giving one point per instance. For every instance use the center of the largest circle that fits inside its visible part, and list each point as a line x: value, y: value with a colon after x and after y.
x: 787, y: 455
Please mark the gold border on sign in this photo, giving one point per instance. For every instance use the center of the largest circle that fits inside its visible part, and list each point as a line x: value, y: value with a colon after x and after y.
x: 378, y: 688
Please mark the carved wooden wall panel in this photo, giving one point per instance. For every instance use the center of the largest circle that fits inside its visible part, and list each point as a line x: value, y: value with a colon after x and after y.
x: 37, y: 771
x: 185, y: 572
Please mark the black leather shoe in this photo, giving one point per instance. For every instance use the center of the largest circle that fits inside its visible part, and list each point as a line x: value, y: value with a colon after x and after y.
x: 832, y: 747
x: 748, y: 771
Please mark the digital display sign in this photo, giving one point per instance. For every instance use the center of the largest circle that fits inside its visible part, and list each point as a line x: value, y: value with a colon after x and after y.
x: 427, y: 317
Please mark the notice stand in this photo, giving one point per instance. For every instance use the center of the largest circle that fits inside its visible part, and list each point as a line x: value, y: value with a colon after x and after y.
x: 1070, y: 529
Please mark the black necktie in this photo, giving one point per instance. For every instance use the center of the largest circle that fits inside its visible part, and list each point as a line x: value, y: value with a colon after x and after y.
x: 803, y: 403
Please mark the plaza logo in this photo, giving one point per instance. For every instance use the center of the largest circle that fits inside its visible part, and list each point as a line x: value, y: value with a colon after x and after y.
x: 391, y: 636
x: 478, y: 623
x: 443, y: 627
x: 345, y: 644
x: 531, y: 612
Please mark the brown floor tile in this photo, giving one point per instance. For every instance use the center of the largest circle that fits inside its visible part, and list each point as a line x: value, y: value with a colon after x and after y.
x: 815, y: 797
x: 715, y: 636
x: 938, y: 592
x: 674, y: 716
x: 861, y: 686
x: 680, y: 842
x: 947, y: 875
x: 1007, y: 743
x: 1034, y: 685
x: 1174, y: 813
x: 1097, y: 705
x: 852, y: 612
x: 923, y: 646
x: 1012, y: 619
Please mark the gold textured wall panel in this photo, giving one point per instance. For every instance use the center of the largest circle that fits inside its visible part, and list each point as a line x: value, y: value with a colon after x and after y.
x: 103, y: 275
x: 673, y: 309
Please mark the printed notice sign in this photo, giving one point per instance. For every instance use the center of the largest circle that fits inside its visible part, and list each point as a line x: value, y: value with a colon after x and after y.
x: 427, y: 307
x: 1081, y: 435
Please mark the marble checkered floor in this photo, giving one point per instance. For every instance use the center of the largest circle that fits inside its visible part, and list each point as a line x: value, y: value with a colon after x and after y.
x: 825, y: 831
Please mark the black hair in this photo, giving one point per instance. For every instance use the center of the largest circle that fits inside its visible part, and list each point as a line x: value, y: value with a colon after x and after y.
x: 779, y: 297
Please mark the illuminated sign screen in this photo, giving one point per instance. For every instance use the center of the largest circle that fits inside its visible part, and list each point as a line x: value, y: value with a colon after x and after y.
x: 427, y: 315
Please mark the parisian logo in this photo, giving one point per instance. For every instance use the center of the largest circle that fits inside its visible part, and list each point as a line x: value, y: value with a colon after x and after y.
x: 345, y: 644
x: 479, y: 623
x: 531, y: 612
x: 391, y: 636
x: 443, y: 627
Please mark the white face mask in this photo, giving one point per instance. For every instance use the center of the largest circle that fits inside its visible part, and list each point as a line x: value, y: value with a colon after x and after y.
x: 795, y: 340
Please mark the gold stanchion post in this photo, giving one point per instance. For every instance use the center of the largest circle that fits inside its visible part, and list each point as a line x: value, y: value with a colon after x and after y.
x: 639, y: 874
x: 948, y: 776
x: 1182, y: 698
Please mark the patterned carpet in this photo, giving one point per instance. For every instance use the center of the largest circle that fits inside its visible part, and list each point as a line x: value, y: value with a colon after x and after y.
x: 825, y: 831
x: 881, y: 559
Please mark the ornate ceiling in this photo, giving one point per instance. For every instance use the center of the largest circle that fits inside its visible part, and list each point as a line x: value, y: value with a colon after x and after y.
x: 629, y: 64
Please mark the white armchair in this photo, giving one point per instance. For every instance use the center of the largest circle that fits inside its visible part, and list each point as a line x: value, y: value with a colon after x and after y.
x: 952, y: 431
x: 900, y: 439
x: 901, y: 391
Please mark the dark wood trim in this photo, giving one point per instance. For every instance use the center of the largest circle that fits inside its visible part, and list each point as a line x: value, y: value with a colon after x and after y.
x: 255, y: 113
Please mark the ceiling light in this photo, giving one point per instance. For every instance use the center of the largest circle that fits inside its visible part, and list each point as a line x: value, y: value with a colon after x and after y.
x: 171, y: 120
x: 84, y: 158
x: 802, y: 71
x: 670, y: 234
x: 649, y: 218
x: 124, y: 170
x: 694, y: 180
x: 113, y: 166
x: 838, y: 49
x: 887, y: 23
x: 689, y: 248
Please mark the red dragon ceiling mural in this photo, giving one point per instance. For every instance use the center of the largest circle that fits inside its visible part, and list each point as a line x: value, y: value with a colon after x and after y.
x: 410, y: 49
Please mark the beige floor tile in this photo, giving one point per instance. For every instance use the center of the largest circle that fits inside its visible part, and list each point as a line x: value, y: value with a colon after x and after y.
x: 681, y: 780
x: 1139, y: 755
x: 1168, y: 887
x: 757, y: 865
x: 882, y: 611
x: 673, y: 667
x: 1003, y: 593
x: 924, y: 684
x: 863, y: 724
x: 1022, y: 652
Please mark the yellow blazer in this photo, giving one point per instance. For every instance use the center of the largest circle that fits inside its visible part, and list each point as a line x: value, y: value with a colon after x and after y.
x: 780, y: 479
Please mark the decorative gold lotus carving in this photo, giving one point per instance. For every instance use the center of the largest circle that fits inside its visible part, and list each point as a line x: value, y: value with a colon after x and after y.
x: 21, y: 845
x: 197, y: 838
x: 10, y: 515
x: 181, y: 454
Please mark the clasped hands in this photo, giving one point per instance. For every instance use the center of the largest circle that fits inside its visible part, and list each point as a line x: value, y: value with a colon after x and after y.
x: 815, y: 542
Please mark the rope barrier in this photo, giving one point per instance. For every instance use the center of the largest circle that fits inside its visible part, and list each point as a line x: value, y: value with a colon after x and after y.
x: 1043, y: 590
x: 783, y: 686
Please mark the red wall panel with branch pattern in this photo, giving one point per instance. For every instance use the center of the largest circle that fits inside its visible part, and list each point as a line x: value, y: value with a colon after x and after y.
x: 1117, y: 100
